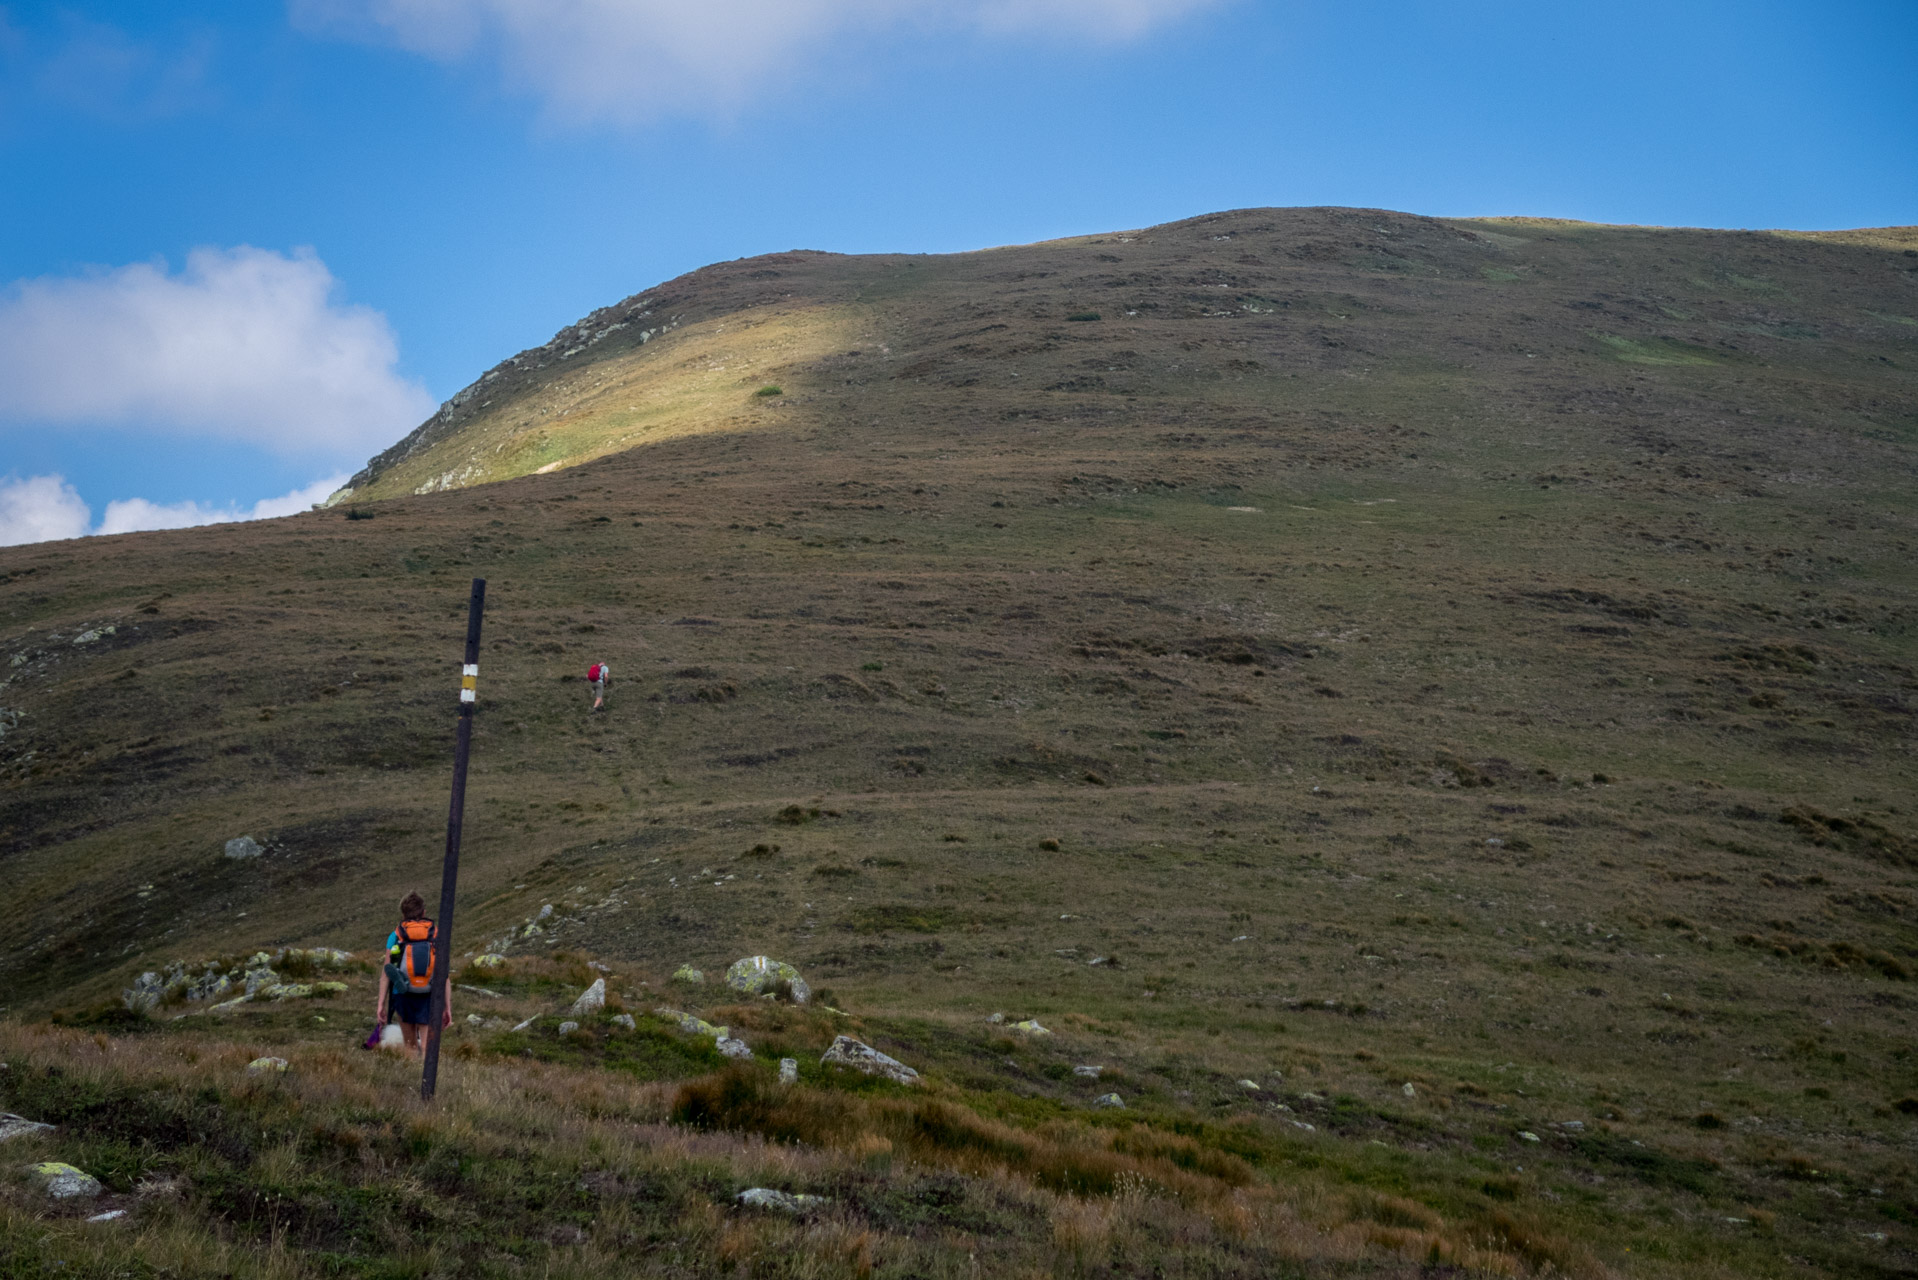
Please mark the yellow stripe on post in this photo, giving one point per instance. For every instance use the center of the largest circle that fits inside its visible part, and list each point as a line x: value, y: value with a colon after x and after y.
x: 469, y: 682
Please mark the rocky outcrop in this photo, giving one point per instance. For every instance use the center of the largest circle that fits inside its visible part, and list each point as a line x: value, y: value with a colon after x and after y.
x: 591, y: 1000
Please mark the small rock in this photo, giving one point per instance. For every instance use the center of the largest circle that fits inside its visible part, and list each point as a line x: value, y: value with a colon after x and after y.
x: 478, y: 991
x: 763, y: 975
x: 1528, y: 1135
x: 1087, y: 1072
x: 591, y: 1000
x: 63, y: 1181
x: 521, y: 1026
x: 1108, y: 1100
x: 1408, y: 1090
x: 491, y: 960
x: 733, y: 1048
x: 474, y: 1020
x: 145, y: 993
x: 1495, y: 842
x: 1573, y: 1126
x: 260, y: 978
x: 243, y: 847
x: 1031, y: 1027
x: 996, y: 1019
x: 209, y: 985
x: 688, y: 975
x: 784, y: 1201
x: 111, y: 1215
x: 1252, y: 1085
x: 264, y: 1066
x: 12, y: 1126
x: 848, y: 1052
x: 568, y: 1028
x: 624, y: 1020
x: 789, y: 1071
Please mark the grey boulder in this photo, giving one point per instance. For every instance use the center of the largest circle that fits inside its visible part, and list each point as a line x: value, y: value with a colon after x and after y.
x: 848, y: 1052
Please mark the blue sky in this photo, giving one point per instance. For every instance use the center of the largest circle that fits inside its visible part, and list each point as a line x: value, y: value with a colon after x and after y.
x: 245, y: 245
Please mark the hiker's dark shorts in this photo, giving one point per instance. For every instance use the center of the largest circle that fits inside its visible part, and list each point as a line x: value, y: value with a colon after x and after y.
x: 413, y: 1008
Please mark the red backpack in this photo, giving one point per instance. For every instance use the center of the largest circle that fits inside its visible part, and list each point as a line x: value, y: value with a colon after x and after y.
x: 595, y: 672
x: 416, y: 955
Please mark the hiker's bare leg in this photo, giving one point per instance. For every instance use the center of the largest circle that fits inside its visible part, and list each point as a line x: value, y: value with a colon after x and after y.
x: 415, y: 1033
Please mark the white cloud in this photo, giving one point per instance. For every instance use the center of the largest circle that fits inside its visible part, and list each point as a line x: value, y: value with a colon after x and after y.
x: 626, y: 61
x: 41, y: 508
x: 243, y: 344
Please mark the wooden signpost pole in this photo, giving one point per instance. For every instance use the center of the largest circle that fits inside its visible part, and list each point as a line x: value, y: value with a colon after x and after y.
x: 449, y: 876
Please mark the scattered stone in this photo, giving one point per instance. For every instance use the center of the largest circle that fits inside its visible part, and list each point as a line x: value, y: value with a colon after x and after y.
x: 763, y: 975
x: 145, y: 993
x: 789, y: 1071
x: 209, y: 985
x: 257, y: 979
x: 625, y: 1020
x: 568, y: 1028
x: 478, y: 991
x: 693, y: 1026
x: 783, y: 1201
x: 1087, y: 1072
x: 228, y: 1004
x: 243, y: 847
x: 264, y: 1066
x: 1252, y: 1085
x: 1573, y: 1126
x: 1408, y: 1090
x: 521, y: 1026
x: 1108, y: 1100
x: 591, y: 1000
x: 111, y: 1215
x: 12, y: 1126
x: 494, y: 1024
x: 63, y: 1181
x: 1528, y: 1135
x: 474, y: 1020
x: 491, y: 960
x: 733, y: 1048
x: 689, y: 975
x: 996, y: 1019
x: 848, y: 1052
x: 1031, y: 1027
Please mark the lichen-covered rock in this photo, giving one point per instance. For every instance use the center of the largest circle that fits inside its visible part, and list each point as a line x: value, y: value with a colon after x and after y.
x: 63, y: 1181
x: 688, y: 975
x: 624, y: 1020
x: 568, y: 1028
x: 1087, y: 1072
x: 848, y: 1052
x: 12, y: 1126
x: 260, y: 977
x: 591, y: 1000
x: 209, y: 986
x: 1031, y: 1027
x: 763, y: 975
x: 491, y: 960
x: 243, y: 847
x: 1108, y: 1100
x: 789, y: 1071
x: 266, y: 1067
x: 693, y: 1026
x: 733, y: 1048
x: 783, y: 1201
x: 144, y: 995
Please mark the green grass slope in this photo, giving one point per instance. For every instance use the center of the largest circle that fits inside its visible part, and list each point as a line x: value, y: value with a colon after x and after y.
x: 1473, y: 655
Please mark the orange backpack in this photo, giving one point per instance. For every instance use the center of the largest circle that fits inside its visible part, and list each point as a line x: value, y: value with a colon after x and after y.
x: 416, y: 955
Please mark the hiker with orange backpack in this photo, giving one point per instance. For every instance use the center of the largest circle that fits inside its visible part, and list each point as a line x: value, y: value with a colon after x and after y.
x: 406, y: 984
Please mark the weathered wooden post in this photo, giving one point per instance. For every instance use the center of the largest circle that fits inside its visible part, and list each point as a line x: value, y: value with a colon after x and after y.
x: 449, y: 876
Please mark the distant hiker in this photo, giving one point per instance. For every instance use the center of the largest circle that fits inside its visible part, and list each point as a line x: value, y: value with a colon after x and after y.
x: 406, y: 983
x: 598, y: 676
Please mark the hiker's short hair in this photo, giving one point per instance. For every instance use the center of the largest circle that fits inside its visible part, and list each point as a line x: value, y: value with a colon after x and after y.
x: 412, y: 907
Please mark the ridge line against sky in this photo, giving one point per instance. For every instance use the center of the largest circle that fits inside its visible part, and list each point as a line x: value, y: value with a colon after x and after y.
x: 252, y: 245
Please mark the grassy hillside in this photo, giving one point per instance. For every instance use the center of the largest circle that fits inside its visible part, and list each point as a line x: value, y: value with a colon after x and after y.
x: 1471, y: 655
